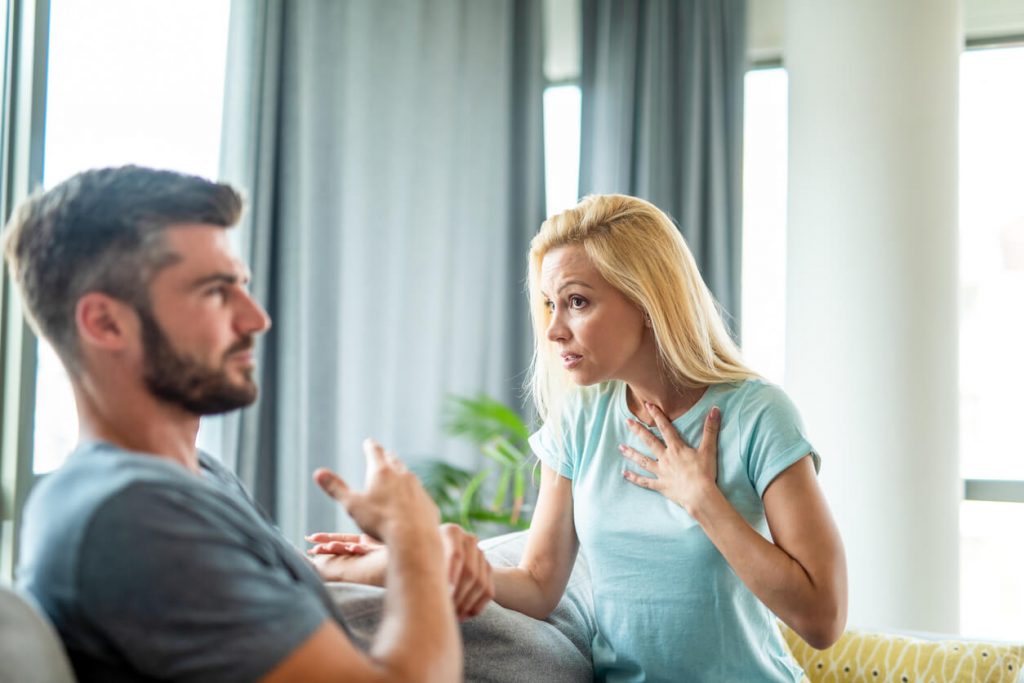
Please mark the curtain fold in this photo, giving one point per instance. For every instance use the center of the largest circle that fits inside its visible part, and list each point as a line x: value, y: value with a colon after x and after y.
x: 394, y: 157
x: 662, y: 119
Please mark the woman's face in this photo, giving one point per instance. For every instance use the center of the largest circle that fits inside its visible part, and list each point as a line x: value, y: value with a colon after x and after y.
x: 598, y: 332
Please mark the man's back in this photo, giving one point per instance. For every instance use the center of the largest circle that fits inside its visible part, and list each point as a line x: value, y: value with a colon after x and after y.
x: 149, y: 571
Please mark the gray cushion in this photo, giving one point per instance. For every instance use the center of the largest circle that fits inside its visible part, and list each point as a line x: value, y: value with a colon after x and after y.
x: 30, y: 650
x: 502, y: 645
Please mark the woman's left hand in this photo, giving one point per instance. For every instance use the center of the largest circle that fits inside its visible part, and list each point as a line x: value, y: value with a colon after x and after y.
x: 683, y: 474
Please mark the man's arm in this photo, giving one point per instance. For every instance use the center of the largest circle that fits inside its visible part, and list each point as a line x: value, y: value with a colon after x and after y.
x: 418, y: 639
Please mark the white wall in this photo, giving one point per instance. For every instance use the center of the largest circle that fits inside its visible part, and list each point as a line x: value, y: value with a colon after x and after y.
x: 982, y: 19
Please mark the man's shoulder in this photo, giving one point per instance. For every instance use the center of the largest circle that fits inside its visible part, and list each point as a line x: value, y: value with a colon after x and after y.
x: 98, y: 481
x: 95, y: 474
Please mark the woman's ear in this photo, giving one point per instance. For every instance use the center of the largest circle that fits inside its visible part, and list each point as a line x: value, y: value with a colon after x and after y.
x: 104, y: 322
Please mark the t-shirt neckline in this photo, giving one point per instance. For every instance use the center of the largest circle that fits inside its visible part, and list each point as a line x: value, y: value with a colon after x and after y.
x: 697, y: 411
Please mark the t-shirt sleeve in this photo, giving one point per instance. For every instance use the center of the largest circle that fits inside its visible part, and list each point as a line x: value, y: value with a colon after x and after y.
x: 776, y: 438
x: 551, y: 447
x: 181, y: 595
x: 554, y: 442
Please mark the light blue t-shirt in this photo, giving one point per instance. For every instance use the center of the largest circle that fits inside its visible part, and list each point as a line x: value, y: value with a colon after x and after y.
x: 668, y: 606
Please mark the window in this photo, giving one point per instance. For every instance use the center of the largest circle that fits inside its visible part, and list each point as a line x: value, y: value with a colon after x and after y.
x: 991, y: 340
x: 991, y: 313
x: 561, y: 147
x: 763, y: 275
x: 128, y: 82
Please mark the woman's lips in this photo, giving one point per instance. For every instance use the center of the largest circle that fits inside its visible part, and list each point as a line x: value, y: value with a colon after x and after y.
x: 571, y: 360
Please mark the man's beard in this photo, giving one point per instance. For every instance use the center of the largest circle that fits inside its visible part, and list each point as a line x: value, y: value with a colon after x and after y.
x: 184, y: 381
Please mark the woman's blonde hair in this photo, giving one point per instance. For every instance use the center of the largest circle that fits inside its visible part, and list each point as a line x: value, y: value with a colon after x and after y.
x: 640, y: 252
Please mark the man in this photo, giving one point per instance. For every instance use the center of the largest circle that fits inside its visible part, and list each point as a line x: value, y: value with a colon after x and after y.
x: 150, y: 558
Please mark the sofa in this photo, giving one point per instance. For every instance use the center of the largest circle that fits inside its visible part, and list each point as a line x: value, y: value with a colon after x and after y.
x: 505, y: 646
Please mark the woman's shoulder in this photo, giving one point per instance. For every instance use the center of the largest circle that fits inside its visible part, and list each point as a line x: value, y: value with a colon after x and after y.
x: 755, y: 397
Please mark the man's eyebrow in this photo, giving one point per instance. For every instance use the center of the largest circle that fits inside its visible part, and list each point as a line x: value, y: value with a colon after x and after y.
x: 224, y: 278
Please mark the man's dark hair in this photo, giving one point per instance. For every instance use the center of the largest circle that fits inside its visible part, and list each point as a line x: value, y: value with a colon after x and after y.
x: 102, y: 231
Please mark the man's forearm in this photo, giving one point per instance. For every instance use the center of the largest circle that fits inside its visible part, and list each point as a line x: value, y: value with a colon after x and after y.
x: 418, y: 635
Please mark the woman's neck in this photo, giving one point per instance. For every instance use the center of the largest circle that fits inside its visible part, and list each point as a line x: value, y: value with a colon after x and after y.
x: 672, y: 401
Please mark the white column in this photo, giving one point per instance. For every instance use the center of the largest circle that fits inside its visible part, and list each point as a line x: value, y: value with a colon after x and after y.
x: 871, y: 332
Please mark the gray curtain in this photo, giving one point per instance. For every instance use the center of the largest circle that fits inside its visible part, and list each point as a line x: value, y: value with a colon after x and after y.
x: 662, y: 87
x: 394, y: 159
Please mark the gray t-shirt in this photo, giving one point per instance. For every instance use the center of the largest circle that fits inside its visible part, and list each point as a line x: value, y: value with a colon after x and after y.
x: 151, y: 572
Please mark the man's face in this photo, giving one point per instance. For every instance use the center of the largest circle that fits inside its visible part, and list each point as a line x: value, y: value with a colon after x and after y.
x: 199, y: 331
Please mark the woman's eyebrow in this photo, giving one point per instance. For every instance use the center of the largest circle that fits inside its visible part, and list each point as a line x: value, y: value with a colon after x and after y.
x: 580, y: 283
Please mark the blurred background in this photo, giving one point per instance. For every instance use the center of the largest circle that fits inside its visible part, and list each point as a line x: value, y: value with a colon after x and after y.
x: 850, y: 178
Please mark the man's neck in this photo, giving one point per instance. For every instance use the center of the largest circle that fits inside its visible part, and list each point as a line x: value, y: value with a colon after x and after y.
x: 141, y: 424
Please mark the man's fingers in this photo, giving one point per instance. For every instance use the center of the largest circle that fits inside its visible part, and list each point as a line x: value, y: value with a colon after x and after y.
x: 332, y: 484
x: 712, y: 423
x: 375, y: 456
x: 456, y: 561
x: 391, y: 459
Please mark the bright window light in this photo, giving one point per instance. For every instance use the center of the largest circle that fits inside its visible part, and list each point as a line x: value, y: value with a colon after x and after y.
x: 561, y: 147
x: 991, y: 336
x: 764, y: 222
x: 129, y: 81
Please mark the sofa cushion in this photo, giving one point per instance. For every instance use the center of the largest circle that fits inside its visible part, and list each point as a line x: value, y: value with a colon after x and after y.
x: 881, y: 657
x: 30, y: 651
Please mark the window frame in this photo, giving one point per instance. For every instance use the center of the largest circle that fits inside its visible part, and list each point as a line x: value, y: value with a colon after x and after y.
x: 22, y: 120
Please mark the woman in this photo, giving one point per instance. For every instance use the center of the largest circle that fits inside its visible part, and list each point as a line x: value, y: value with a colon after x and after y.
x: 684, y: 477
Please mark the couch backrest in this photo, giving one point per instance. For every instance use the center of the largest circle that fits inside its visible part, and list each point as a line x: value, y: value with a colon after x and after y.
x: 30, y: 649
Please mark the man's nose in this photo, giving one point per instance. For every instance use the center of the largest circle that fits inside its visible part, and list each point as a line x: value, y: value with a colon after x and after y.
x: 252, y: 318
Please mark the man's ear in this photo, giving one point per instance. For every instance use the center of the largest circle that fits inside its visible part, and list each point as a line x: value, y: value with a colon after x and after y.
x: 105, y: 322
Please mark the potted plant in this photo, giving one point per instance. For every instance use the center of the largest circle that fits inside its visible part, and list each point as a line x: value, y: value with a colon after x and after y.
x: 499, y: 496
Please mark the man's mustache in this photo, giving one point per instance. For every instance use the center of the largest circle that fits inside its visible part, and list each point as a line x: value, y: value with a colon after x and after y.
x: 243, y: 344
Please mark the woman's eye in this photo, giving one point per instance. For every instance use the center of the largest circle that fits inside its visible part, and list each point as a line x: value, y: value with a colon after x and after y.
x: 549, y: 304
x: 577, y: 302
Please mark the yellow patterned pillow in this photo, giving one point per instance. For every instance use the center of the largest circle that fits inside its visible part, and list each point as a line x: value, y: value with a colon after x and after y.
x: 861, y: 657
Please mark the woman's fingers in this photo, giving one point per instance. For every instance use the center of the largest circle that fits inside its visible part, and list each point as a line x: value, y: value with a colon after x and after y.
x: 630, y: 453
x: 644, y: 434
x: 669, y: 434
x: 329, y: 537
x: 642, y: 481
x: 712, y: 423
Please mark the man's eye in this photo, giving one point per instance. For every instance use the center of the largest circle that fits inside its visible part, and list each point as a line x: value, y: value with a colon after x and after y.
x: 219, y: 291
x: 577, y: 301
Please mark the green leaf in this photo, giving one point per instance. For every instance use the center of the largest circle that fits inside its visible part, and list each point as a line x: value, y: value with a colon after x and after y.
x: 468, y: 501
x: 482, y: 417
x: 500, y: 450
x: 501, y: 491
